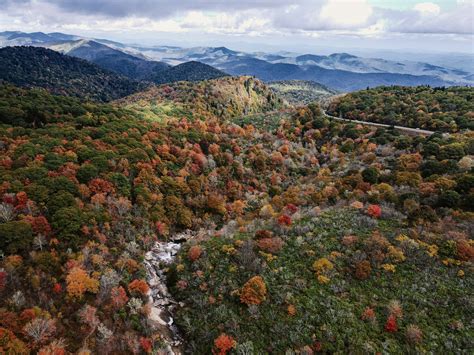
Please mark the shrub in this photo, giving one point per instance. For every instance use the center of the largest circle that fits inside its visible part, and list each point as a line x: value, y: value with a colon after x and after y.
x: 374, y: 211
x: 138, y: 286
x: 449, y: 198
x: 322, y: 266
x: 254, y: 291
x: 454, y: 151
x: 391, y: 324
x: 194, y: 253
x: 270, y: 245
x: 284, y: 220
x: 414, y: 334
x: 146, y: 344
x: 363, y: 270
x: 263, y: 233
x: 368, y: 315
x: 465, y: 183
x: 370, y: 175
x: 223, y: 344
x: 465, y: 251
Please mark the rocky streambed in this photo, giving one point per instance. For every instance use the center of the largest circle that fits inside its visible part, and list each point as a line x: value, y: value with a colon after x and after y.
x: 162, y: 303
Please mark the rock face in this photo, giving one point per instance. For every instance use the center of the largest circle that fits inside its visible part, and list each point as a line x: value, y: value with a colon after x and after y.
x: 162, y: 304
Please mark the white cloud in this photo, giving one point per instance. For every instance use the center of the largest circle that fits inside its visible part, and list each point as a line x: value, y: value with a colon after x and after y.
x: 427, y: 8
x: 312, y: 18
x: 346, y: 13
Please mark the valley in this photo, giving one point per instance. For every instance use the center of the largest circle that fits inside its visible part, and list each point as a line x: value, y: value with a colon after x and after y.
x: 203, y: 200
x: 295, y: 226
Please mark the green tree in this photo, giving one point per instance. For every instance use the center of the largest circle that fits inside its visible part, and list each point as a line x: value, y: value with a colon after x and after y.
x: 15, y: 237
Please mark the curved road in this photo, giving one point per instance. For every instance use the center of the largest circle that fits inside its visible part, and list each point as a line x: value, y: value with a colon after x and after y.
x: 408, y: 130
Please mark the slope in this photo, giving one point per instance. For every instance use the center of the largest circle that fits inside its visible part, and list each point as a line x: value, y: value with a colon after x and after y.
x: 337, y: 79
x: 60, y: 74
x: 189, y: 71
x: 301, y: 92
x: 441, y: 109
x: 356, y: 240
x: 111, y: 59
x: 224, y: 97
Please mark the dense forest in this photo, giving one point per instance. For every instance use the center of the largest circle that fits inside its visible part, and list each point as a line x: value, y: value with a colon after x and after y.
x: 439, y: 109
x: 310, y: 235
x: 189, y: 71
x: 62, y: 74
x: 231, y: 97
x: 301, y: 92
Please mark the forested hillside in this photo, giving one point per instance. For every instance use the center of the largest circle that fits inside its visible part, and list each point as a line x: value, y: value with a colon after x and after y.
x: 309, y: 236
x: 136, y: 67
x: 225, y: 97
x: 64, y: 75
x: 111, y: 59
x: 189, y: 71
x: 441, y: 109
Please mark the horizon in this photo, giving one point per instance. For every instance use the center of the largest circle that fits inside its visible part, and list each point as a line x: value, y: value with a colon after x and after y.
x: 316, y: 27
x: 269, y: 49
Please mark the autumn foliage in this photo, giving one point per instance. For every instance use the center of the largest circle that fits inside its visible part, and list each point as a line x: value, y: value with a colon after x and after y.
x: 194, y: 252
x: 284, y: 220
x: 223, y: 344
x: 87, y: 189
x: 10, y: 344
x: 79, y: 282
x: 271, y: 245
x: 374, y: 211
x: 391, y: 324
x: 3, y: 280
x: 254, y: 291
x: 138, y: 286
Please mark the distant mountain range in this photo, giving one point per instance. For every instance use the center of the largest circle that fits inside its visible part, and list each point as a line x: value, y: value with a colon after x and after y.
x: 110, y: 58
x: 340, y: 71
x: 113, y: 56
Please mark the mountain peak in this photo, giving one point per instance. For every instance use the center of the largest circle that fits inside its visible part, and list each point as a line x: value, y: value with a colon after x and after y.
x: 224, y: 50
x: 189, y: 71
x: 342, y: 55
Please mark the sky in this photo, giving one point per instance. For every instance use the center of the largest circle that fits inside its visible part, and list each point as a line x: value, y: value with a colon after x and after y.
x: 267, y: 25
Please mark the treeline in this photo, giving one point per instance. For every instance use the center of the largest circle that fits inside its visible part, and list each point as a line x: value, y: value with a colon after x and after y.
x: 439, y: 109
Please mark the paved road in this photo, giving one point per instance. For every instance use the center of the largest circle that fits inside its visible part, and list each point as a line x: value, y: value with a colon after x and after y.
x: 408, y: 130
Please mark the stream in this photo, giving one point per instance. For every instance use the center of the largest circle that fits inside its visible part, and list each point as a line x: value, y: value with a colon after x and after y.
x: 163, y: 304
